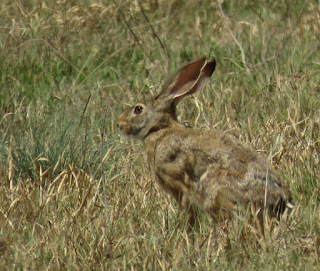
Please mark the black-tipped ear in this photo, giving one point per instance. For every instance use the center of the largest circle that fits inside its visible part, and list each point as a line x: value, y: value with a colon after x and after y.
x: 191, y: 78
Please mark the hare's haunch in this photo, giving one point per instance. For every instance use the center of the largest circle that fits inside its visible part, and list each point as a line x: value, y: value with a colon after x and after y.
x: 207, y: 167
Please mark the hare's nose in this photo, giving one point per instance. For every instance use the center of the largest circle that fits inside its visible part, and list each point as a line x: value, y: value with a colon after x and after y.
x: 119, y: 124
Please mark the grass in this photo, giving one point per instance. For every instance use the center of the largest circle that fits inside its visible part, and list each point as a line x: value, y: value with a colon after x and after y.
x: 74, y: 195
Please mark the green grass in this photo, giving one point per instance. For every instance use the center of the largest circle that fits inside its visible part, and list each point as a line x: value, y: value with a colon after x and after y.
x: 74, y: 195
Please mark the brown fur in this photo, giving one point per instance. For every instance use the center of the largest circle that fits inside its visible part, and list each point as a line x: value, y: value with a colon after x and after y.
x: 208, y: 168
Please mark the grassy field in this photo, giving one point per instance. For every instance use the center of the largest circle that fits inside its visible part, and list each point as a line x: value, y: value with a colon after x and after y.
x: 76, y: 196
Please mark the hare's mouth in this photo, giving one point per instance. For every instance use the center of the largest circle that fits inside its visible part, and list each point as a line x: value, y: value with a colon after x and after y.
x: 126, y: 130
x: 123, y: 128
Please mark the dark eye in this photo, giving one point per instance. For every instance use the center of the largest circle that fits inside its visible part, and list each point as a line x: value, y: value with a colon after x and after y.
x: 138, y: 109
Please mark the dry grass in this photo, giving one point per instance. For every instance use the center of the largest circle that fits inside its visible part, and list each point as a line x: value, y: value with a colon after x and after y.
x: 75, y: 196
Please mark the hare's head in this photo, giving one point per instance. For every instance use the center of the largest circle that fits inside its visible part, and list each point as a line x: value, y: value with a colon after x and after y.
x: 159, y: 111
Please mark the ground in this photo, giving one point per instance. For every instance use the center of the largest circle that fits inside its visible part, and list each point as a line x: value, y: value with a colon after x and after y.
x: 75, y: 195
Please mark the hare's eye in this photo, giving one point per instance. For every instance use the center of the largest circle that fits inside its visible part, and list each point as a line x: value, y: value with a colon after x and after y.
x: 138, y: 109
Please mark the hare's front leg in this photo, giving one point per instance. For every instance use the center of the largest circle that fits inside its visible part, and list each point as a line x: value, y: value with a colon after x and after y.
x: 182, y: 192
x: 191, y: 208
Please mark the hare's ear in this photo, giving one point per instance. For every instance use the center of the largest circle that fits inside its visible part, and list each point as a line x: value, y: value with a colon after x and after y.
x: 190, y: 78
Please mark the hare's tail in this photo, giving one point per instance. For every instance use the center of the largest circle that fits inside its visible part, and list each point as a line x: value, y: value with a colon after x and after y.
x: 282, y: 206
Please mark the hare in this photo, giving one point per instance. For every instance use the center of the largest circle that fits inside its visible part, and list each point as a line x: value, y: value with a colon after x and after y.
x: 201, y: 167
